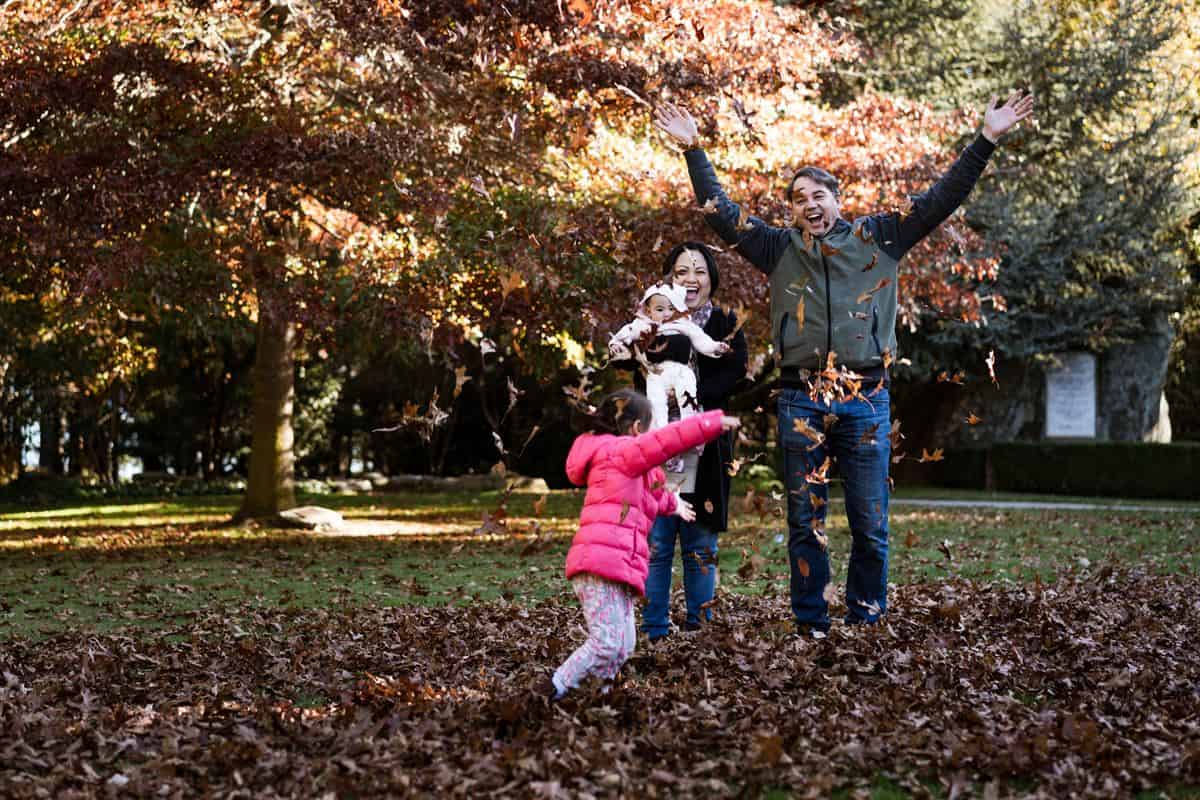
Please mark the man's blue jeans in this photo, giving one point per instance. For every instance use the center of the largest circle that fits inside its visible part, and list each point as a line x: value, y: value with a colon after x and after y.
x: 699, y: 551
x: 858, y: 442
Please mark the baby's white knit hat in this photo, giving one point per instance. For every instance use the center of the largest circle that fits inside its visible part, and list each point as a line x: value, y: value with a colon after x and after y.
x: 676, y: 295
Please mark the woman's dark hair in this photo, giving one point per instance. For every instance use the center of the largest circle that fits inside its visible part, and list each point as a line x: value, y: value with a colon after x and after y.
x: 714, y: 277
x: 616, y: 413
x: 817, y: 174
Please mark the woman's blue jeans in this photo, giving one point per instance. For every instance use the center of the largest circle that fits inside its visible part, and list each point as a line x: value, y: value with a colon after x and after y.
x: 698, y: 547
x: 858, y: 442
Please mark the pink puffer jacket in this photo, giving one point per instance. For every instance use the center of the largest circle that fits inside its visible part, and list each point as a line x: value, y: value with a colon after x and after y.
x: 626, y: 490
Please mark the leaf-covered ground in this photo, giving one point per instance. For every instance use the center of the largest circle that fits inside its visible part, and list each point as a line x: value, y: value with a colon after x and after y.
x: 147, y: 651
x: 1088, y: 687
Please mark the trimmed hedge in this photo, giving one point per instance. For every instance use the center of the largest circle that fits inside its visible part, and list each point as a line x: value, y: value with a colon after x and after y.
x: 1111, y: 469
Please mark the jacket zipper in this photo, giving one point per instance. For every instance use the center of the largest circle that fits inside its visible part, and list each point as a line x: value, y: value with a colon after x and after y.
x: 828, y: 311
x: 875, y: 329
x: 782, y: 329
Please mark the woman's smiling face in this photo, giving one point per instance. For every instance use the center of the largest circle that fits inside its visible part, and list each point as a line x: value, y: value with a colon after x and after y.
x: 691, y: 272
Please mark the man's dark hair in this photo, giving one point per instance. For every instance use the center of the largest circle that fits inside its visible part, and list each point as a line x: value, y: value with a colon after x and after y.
x: 817, y: 174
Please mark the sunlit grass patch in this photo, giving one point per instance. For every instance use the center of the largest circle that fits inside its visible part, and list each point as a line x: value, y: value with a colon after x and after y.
x: 152, y: 564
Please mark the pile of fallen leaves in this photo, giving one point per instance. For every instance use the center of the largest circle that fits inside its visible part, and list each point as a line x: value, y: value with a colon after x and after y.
x: 1087, y: 687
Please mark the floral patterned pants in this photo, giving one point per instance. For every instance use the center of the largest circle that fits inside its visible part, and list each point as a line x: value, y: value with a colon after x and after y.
x: 612, y: 632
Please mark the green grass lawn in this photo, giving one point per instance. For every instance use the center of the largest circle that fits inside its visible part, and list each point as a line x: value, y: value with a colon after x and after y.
x: 141, y: 564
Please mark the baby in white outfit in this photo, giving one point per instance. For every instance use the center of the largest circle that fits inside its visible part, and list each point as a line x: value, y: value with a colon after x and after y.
x: 663, y: 313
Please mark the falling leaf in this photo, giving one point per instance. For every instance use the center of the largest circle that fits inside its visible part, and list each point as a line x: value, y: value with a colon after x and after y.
x: 936, y: 455
x: 529, y: 438
x: 624, y: 511
x: 460, y: 378
x: 743, y: 223
x: 744, y: 116
x: 817, y: 502
x: 800, y: 313
x: 867, y: 295
x: 818, y: 476
x: 991, y: 365
x: 873, y: 262
x: 510, y: 282
x: 802, y: 567
x: 477, y: 185
x: 797, y: 286
x: 800, y: 425
x: 888, y: 359
x: 863, y: 234
x: 493, y: 524
x: 945, y: 548
x: 710, y: 206
x: 868, y: 436
x: 829, y: 250
x: 637, y: 97
x: 829, y: 421
x: 957, y: 378
x: 584, y: 9
x: 742, y: 314
x: 972, y: 419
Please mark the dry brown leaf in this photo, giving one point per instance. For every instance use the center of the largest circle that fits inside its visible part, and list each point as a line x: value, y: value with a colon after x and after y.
x: 584, y: 9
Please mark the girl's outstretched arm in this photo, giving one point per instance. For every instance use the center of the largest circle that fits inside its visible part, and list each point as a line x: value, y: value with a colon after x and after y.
x: 637, y: 455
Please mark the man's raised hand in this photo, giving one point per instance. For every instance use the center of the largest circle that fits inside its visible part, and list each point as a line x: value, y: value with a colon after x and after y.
x: 998, y: 119
x: 676, y: 123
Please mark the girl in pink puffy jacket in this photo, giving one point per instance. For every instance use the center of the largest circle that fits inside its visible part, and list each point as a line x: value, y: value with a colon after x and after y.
x: 619, y: 462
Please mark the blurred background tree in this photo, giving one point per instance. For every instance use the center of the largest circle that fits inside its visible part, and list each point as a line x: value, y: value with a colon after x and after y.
x: 439, y: 212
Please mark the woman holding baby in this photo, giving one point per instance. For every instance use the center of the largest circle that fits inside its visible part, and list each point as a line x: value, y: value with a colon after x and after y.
x: 701, y: 478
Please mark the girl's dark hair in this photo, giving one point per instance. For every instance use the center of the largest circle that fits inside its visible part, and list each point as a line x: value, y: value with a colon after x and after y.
x: 817, y: 174
x: 616, y: 413
x: 714, y: 277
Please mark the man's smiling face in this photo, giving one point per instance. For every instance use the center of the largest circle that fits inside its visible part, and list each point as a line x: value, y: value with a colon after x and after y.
x: 814, y: 206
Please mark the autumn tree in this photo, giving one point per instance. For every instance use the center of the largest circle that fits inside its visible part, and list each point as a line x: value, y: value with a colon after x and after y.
x: 480, y: 182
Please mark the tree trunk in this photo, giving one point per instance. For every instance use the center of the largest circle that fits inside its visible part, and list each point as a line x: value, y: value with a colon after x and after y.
x: 75, y: 441
x: 270, y: 487
x: 1132, y: 377
x: 11, y: 447
x: 50, y: 449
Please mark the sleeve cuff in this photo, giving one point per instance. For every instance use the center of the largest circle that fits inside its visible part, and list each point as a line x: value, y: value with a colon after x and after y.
x: 982, y: 146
